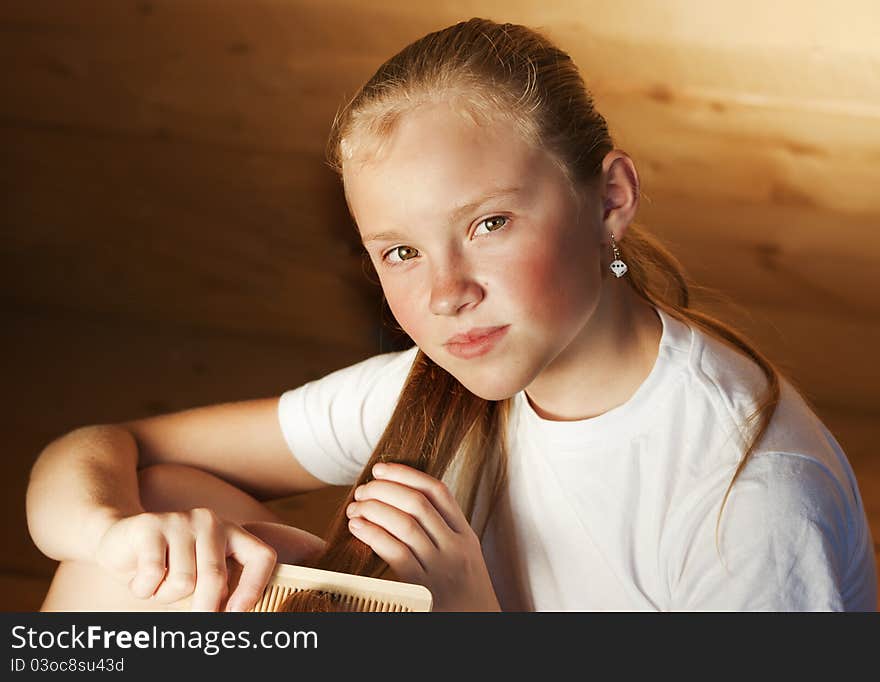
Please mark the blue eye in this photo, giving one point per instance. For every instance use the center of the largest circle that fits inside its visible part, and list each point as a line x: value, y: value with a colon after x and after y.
x: 493, y: 224
x: 397, y: 250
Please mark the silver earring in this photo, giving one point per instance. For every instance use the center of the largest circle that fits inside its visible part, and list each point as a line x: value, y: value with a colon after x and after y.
x: 618, y: 267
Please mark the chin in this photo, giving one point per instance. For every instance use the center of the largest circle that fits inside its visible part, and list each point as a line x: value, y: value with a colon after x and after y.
x: 493, y: 387
x: 490, y: 395
x: 489, y: 381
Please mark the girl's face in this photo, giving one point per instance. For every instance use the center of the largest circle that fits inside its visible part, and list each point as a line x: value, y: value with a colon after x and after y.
x: 472, y: 230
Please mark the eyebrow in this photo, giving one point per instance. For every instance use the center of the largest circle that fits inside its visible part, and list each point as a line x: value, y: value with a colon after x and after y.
x: 454, y: 215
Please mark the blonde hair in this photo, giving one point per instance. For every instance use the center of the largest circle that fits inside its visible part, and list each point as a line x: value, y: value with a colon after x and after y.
x: 491, y: 71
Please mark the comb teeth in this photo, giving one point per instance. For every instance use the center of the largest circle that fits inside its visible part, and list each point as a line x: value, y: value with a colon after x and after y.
x: 353, y: 592
x: 275, y: 595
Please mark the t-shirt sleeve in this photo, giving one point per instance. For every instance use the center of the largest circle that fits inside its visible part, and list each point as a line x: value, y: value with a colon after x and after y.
x: 332, y: 424
x: 791, y: 539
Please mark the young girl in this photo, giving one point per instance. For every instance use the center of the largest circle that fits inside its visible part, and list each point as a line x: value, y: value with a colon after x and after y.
x: 566, y: 434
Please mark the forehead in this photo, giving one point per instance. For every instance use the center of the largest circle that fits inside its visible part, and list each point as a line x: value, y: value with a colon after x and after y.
x: 436, y: 159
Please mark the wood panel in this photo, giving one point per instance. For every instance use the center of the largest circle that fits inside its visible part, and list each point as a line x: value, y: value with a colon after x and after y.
x: 257, y: 75
x: 192, y: 235
x: 707, y: 89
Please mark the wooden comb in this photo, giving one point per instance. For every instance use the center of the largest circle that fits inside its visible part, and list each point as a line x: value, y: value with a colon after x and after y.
x: 354, y: 592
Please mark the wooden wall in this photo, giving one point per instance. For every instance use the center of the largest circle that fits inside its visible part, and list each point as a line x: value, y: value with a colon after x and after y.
x: 172, y: 238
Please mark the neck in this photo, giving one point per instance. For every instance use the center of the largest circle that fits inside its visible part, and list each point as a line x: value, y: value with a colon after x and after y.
x: 605, y: 364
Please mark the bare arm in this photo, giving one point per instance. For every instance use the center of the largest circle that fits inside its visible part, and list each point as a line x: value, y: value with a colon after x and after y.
x: 239, y: 442
x: 86, y: 480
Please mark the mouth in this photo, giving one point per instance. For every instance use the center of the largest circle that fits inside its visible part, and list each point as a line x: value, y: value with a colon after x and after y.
x: 475, y: 342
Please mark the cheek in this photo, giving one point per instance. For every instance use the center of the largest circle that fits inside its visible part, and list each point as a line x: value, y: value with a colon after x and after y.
x: 531, y: 279
x: 549, y: 286
x: 405, y: 307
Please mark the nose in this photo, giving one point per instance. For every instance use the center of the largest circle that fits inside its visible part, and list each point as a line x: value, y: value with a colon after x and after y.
x: 453, y: 288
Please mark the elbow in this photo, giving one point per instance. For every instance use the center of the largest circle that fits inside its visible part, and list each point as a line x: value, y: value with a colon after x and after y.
x: 58, y: 484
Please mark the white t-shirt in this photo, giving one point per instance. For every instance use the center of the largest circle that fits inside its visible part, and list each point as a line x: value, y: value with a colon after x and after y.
x: 618, y: 512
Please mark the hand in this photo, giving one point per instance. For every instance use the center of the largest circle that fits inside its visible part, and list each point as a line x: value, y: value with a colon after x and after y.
x: 170, y: 556
x: 412, y: 521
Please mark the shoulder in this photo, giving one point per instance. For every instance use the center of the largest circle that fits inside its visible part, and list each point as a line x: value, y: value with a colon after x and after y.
x: 735, y: 385
x: 797, y: 469
x: 782, y: 541
x: 792, y: 489
x: 333, y: 423
x: 794, y: 519
x: 792, y: 536
x: 719, y: 378
x: 359, y: 398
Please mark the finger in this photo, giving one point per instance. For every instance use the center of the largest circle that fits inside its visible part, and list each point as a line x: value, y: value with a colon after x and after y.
x: 150, y: 566
x: 180, y: 578
x: 401, y: 525
x: 258, y: 563
x: 437, y: 493
x: 211, y: 575
x: 391, y: 550
x: 410, y: 501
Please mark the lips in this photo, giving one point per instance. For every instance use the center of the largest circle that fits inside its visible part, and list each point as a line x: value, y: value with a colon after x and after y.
x: 474, y: 334
x: 475, y: 342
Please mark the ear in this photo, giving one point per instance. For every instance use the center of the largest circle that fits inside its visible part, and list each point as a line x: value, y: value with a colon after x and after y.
x: 619, y: 194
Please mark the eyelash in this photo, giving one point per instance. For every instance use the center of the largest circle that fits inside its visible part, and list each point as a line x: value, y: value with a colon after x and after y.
x: 485, y: 220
